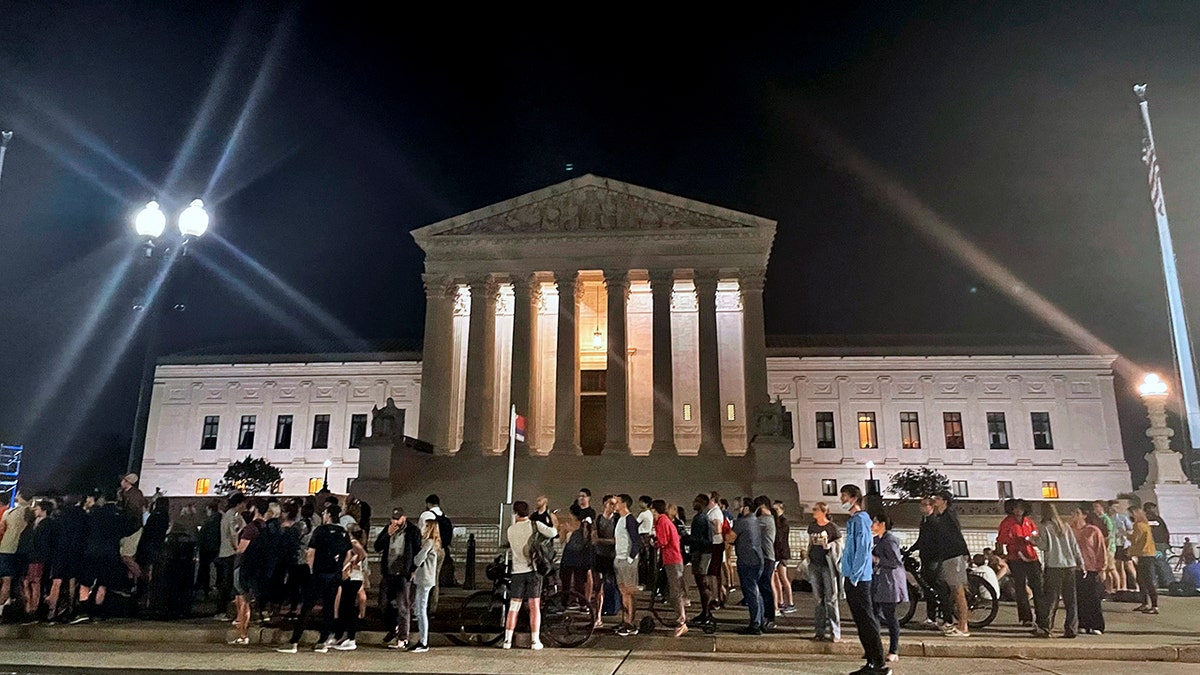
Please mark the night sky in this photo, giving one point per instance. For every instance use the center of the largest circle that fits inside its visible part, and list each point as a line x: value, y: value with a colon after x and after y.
x: 321, y: 134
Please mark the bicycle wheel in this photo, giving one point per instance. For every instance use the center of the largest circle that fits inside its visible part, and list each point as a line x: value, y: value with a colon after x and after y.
x: 479, y: 621
x: 982, y: 602
x: 567, y: 619
x: 906, y: 610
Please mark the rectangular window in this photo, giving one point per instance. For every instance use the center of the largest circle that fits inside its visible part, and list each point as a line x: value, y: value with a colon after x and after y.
x: 1049, y: 489
x: 1042, y: 440
x: 825, y: 436
x: 283, y: 432
x: 952, y: 422
x: 203, y: 485
x: 246, y: 432
x: 959, y: 489
x: 997, y: 431
x: 358, y: 429
x: 866, y: 430
x: 687, y: 412
x: 320, y: 432
x: 314, y: 485
x: 829, y: 487
x: 1004, y: 489
x: 910, y: 430
x: 730, y: 413
x: 208, y: 441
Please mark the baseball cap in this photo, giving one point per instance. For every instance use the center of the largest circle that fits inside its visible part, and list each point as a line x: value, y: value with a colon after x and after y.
x: 397, y: 513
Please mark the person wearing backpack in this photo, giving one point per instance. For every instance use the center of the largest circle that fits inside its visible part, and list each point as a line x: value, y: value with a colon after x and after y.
x: 327, y: 550
x: 526, y: 580
x: 433, y: 511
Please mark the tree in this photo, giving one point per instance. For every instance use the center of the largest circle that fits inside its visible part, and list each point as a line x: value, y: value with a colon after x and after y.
x: 250, y: 476
x: 917, y: 483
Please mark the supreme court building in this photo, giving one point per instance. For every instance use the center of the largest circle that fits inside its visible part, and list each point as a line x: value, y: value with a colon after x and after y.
x: 626, y: 326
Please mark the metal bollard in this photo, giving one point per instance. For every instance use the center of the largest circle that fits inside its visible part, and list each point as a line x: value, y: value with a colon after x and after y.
x: 469, y: 574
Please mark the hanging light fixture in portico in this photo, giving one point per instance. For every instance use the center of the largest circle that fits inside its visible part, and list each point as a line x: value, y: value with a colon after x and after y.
x: 597, y: 338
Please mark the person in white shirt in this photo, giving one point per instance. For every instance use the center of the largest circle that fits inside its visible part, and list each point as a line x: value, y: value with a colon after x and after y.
x: 526, y: 582
x: 716, y: 524
x: 629, y: 544
x: 433, y: 510
x: 979, y: 566
x: 645, y: 528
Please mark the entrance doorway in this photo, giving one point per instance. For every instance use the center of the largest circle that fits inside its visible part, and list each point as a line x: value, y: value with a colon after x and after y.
x: 592, y: 418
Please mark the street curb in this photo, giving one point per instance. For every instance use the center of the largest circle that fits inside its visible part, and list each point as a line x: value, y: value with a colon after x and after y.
x: 1051, y: 650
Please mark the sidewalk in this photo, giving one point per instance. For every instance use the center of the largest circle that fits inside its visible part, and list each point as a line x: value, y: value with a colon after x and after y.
x: 1171, y: 636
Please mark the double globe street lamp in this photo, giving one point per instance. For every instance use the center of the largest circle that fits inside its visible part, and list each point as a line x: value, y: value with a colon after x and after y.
x: 150, y: 224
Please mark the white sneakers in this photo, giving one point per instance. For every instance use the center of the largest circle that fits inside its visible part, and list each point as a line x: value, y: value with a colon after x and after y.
x: 535, y: 646
x: 398, y: 644
x: 240, y: 641
x: 288, y: 649
x: 346, y: 645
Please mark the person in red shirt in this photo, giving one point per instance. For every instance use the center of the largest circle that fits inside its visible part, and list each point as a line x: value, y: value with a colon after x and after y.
x: 667, y: 540
x: 1015, y: 538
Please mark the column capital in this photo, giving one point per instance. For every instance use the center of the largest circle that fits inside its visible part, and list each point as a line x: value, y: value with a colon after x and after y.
x: 706, y: 279
x: 486, y: 284
x: 616, y: 282
x: 661, y: 276
x: 439, y: 285
x: 752, y: 280
x: 522, y: 281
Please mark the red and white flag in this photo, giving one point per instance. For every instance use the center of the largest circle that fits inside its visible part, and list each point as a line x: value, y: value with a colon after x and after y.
x: 519, y: 428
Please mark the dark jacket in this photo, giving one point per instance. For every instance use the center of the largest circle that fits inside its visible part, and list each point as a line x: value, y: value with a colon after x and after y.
x: 950, y: 536
x: 154, y: 535
x: 210, y: 534
x: 106, y: 526
x: 72, y: 532
x: 927, y: 545
x: 412, y: 541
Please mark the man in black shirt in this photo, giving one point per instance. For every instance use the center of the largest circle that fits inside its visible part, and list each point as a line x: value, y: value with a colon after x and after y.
x: 327, y: 551
x: 102, y: 566
x: 66, y: 558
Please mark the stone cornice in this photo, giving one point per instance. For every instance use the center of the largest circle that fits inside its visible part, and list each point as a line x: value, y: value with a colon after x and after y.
x: 1098, y: 364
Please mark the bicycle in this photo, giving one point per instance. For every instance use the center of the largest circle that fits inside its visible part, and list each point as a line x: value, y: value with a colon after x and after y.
x: 983, y: 601
x: 568, y: 619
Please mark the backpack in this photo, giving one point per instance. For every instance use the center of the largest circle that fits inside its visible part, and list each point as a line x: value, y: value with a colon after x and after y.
x: 540, y: 550
x: 446, y: 530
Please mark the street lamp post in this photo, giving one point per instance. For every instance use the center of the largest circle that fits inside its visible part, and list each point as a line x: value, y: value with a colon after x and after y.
x: 150, y: 224
x: 325, y: 484
x: 1163, y: 463
x: 872, y: 484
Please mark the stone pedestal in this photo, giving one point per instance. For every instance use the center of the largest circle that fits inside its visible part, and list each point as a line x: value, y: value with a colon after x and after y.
x: 770, y: 455
x: 1166, y: 485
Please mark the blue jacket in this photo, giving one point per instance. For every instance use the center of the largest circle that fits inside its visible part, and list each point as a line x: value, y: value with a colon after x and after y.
x: 856, y: 557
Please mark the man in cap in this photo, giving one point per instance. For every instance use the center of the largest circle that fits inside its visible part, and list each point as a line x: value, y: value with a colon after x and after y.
x: 132, y: 504
x: 397, y: 544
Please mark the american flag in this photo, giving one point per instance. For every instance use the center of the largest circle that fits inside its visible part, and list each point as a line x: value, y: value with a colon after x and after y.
x: 1150, y: 157
x: 519, y: 428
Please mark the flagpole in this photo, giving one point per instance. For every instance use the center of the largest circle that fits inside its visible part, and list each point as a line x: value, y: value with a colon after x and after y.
x: 512, y: 446
x: 1181, y: 342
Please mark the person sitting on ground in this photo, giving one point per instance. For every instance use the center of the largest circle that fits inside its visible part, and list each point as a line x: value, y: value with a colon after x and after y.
x: 979, y: 566
x: 1189, y: 579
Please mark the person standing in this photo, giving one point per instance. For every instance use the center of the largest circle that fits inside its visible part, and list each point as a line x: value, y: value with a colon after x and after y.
x: 937, y: 601
x: 346, y: 616
x: 628, y: 546
x: 605, y: 541
x: 66, y: 560
x: 1089, y: 582
x: 12, y: 525
x: 44, y: 534
x: 666, y: 537
x: 526, y: 583
x: 1061, y: 551
x: 766, y: 534
x: 231, y: 527
x: 293, y: 553
x: 1162, y: 542
x: 1016, y: 534
x: 955, y: 558
x: 700, y: 550
x: 426, y: 563
x: 433, y: 511
x: 1141, y: 548
x: 719, y: 523
x: 822, y: 575
x: 1108, y: 527
x: 578, y: 554
x: 1126, y: 573
x: 857, y: 573
x: 889, y: 585
x: 397, y: 546
x: 645, y: 521
x: 748, y: 547
x: 781, y: 583
x: 248, y: 558
x: 209, y: 545
x: 102, y: 557
x: 327, y: 550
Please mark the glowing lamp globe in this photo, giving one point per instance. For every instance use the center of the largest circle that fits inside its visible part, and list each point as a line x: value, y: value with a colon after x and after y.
x: 328, y: 463
x: 870, y: 464
x: 1153, y: 385
x: 193, y: 222
x: 150, y: 221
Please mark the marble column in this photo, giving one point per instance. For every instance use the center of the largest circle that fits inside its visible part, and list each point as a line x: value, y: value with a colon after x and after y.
x: 523, y: 349
x: 479, y: 410
x: 436, y: 358
x: 566, y: 399
x: 616, y: 410
x: 754, y: 342
x: 710, y: 367
x: 662, y: 283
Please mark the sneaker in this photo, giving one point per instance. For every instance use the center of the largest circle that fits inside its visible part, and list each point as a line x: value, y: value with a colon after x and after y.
x: 750, y: 630
x: 892, y: 658
x: 331, y: 641
x: 681, y: 630
x: 397, y: 644
x: 788, y: 609
x: 1152, y: 610
x: 391, y: 635
x: 770, y: 625
x: 418, y: 648
x: 1039, y: 633
x: 346, y: 646
x: 955, y: 632
x: 288, y: 649
x: 321, y: 648
x: 1097, y: 632
x: 82, y: 618
x: 240, y: 641
x: 506, y: 645
x: 537, y: 646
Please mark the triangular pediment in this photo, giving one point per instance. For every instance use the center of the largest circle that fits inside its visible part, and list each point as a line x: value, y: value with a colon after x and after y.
x: 591, y: 204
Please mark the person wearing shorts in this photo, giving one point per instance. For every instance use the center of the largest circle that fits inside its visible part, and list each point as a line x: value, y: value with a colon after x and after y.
x: 102, y: 567
x: 955, y: 559
x: 606, y: 551
x: 526, y: 582
x: 626, y: 564
x: 666, y: 538
x: 701, y: 558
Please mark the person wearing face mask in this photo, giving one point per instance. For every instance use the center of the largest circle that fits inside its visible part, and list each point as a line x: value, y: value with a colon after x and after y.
x: 857, y: 571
